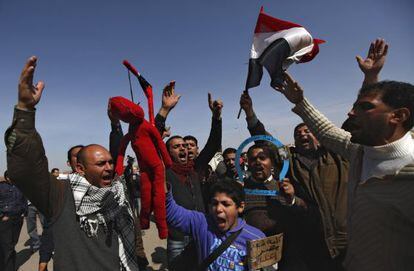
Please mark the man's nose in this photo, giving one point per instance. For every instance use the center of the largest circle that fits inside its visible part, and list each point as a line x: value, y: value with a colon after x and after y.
x: 351, y: 112
x: 109, y: 166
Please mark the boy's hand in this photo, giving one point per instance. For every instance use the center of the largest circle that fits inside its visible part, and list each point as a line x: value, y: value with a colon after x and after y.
x: 29, y: 95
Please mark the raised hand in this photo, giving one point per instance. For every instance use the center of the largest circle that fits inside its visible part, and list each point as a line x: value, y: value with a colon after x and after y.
x: 291, y: 89
x: 246, y: 104
x: 29, y: 95
x: 169, y: 97
x: 215, y: 106
x: 373, y: 63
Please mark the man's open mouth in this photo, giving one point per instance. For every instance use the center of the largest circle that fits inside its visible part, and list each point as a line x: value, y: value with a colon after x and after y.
x: 182, y: 156
x: 258, y: 171
x: 107, y: 177
x: 304, y: 141
x: 106, y: 181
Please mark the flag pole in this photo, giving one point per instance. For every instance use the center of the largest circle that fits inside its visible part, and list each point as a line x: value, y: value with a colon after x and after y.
x: 130, y: 86
x: 240, y: 110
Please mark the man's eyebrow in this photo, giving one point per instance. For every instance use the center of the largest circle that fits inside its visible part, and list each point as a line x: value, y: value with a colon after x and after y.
x: 104, y: 161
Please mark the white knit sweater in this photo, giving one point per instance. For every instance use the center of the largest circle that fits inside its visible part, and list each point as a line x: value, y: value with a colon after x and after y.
x: 378, y: 210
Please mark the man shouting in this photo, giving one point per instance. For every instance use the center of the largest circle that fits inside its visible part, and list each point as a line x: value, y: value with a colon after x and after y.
x: 92, y: 221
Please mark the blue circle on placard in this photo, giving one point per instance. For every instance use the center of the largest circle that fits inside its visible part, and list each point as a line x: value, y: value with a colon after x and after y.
x: 278, y: 144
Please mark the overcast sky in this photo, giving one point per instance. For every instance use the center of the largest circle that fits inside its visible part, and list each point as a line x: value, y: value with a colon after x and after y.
x: 203, y: 45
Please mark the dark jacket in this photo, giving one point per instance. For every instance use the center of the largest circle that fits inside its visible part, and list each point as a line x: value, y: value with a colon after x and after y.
x: 12, y: 201
x: 186, y: 194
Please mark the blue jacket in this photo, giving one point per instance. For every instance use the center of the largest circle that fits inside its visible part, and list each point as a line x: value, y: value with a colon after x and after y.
x: 204, y: 232
x: 12, y: 201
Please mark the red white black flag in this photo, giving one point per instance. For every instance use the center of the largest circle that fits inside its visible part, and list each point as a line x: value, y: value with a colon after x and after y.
x: 276, y: 45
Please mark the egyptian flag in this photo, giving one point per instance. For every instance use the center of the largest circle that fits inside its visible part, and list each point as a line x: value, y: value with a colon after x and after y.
x: 276, y: 45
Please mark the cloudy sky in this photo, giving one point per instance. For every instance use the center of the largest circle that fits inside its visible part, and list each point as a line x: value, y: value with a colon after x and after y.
x: 203, y: 45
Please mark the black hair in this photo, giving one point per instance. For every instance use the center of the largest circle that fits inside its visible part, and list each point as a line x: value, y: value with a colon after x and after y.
x: 54, y: 169
x: 228, y: 151
x: 71, y: 149
x: 190, y: 137
x: 232, y: 189
x: 394, y: 94
x: 167, y: 143
x: 266, y: 150
x: 298, y: 126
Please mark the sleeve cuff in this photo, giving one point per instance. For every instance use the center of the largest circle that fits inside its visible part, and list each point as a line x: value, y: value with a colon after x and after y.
x: 158, y: 117
x: 24, y: 119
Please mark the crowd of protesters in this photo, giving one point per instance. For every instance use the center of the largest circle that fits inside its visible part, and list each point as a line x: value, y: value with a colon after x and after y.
x: 345, y: 204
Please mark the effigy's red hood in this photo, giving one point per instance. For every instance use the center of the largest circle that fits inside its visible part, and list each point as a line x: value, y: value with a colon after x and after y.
x: 126, y: 110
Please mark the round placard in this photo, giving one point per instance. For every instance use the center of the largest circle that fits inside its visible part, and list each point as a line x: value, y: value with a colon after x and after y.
x: 282, y: 173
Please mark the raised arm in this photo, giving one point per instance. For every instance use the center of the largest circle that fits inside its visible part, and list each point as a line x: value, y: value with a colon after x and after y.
x: 115, y: 136
x: 26, y: 161
x: 328, y: 134
x: 187, y: 221
x: 254, y: 125
x: 213, y: 144
x: 373, y: 63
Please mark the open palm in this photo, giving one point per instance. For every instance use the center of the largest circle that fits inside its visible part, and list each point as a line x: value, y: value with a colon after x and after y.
x: 375, y: 59
x: 29, y: 95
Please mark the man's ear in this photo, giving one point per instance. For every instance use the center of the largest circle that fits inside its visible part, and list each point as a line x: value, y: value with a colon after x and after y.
x: 240, y: 209
x: 400, y: 115
x: 80, y: 169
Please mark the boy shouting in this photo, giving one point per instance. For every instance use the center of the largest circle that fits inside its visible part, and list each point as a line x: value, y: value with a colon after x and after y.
x: 226, y: 202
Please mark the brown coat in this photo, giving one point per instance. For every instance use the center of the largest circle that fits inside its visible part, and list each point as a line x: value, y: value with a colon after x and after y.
x: 325, y: 181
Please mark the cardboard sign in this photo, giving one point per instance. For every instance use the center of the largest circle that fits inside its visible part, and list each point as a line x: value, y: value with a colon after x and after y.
x: 264, y: 252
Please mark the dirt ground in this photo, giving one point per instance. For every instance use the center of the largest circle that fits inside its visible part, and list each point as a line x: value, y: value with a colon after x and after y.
x: 154, y: 248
